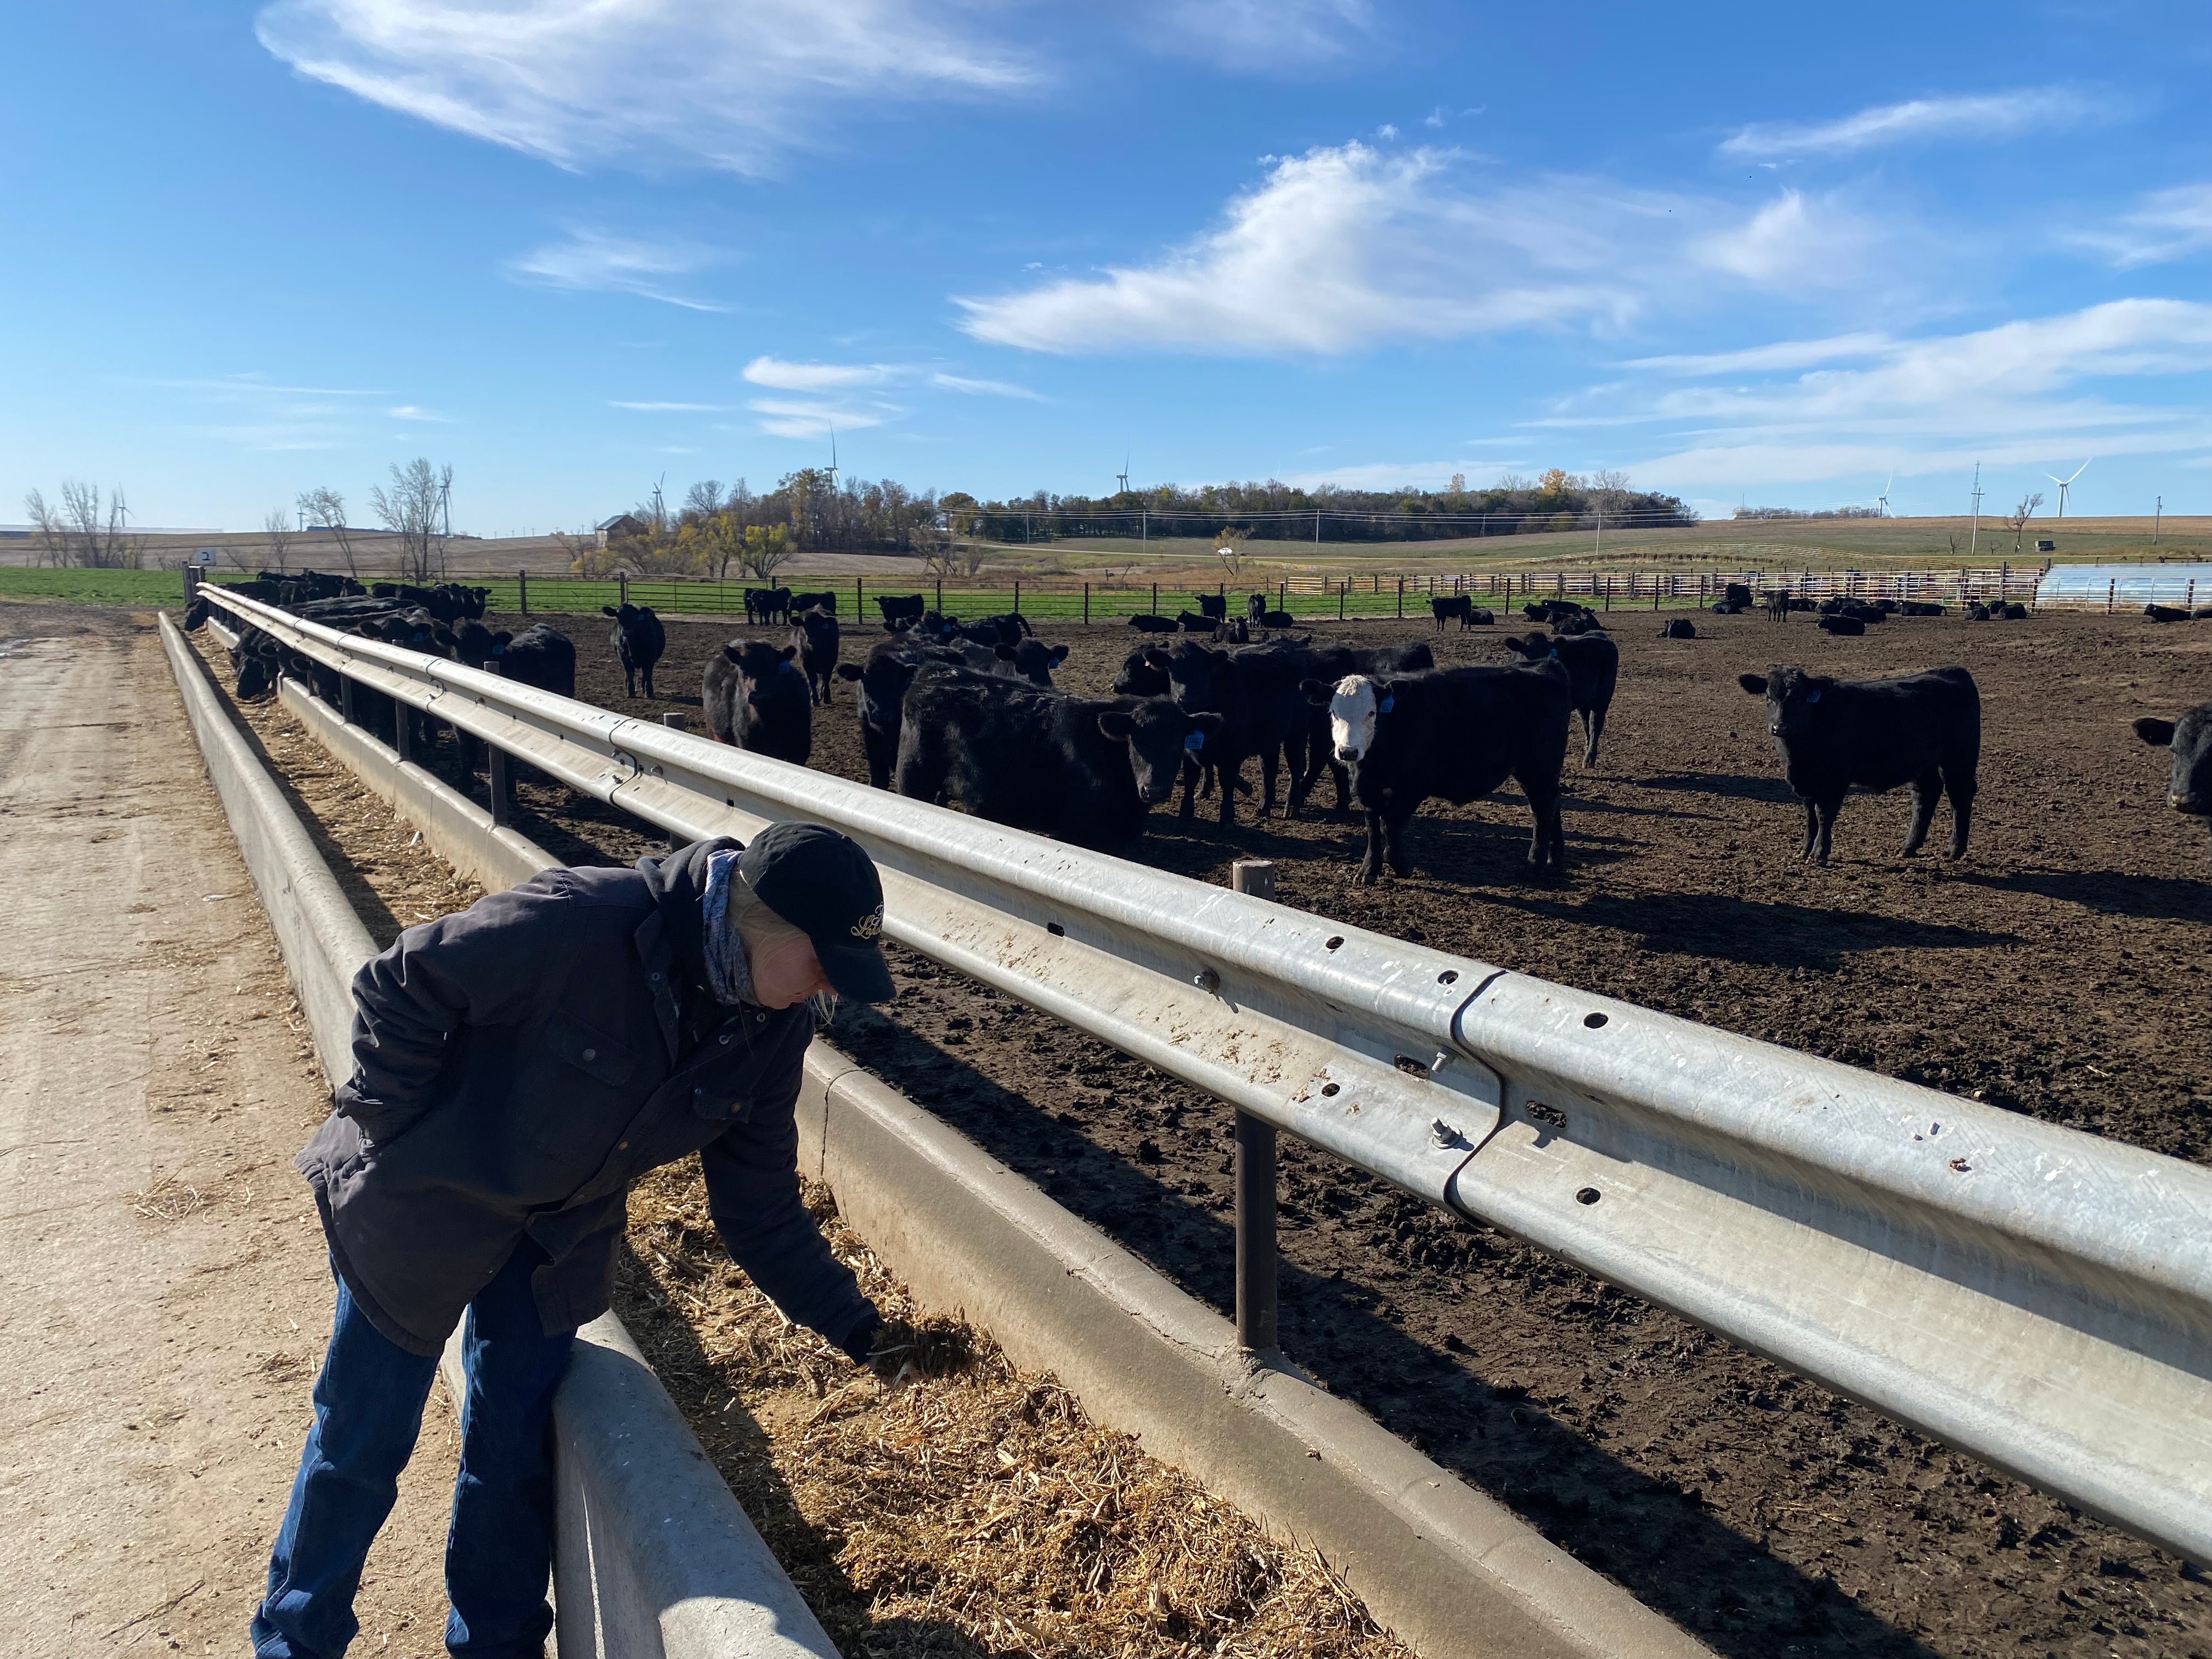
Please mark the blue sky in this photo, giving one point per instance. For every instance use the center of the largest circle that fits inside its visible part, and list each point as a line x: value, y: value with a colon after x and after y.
x: 1738, y: 250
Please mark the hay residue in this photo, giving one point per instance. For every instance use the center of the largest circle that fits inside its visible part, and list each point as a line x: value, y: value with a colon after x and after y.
x: 967, y: 1509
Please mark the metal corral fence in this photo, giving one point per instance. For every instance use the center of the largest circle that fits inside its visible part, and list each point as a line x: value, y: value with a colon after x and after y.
x: 1363, y: 595
x: 2037, y: 1296
x: 2125, y: 587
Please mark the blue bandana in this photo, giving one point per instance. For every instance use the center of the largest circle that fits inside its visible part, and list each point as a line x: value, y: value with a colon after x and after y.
x: 727, y: 976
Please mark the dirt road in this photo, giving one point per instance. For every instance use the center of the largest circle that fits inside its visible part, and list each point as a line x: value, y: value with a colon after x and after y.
x: 163, y: 1293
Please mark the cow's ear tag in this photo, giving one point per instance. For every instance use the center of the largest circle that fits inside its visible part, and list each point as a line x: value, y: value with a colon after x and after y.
x: 1193, y: 740
x: 1386, y: 705
x: 1812, y: 696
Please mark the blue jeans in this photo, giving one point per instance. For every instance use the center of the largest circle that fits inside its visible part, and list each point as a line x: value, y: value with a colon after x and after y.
x: 368, y: 1411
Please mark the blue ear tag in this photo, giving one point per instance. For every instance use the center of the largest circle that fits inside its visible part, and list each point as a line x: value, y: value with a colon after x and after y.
x: 1812, y: 696
x: 1193, y: 740
x: 1386, y: 705
x: 499, y: 650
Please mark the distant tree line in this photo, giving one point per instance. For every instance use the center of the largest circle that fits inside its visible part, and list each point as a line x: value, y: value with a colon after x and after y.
x: 718, y: 532
x: 1801, y: 513
x: 1557, y: 500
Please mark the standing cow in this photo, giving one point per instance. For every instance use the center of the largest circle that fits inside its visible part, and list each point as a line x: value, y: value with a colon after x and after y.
x: 1921, y: 729
x: 755, y: 697
x: 814, y: 636
x: 639, y: 641
x: 1593, y: 665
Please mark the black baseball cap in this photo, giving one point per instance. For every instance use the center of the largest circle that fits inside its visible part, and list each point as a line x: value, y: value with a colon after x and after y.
x: 825, y: 885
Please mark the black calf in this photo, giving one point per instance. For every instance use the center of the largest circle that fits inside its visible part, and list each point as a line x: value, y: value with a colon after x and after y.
x: 1593, y: 665
x: 815, y: 637
x: 639, y: 640
x: 755, y: 697
x: 1921, y: 729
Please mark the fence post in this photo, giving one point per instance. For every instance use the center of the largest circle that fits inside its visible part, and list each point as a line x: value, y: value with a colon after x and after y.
x: 1086, y: 604
x: 940, y: 596
x: 1343, y: 587
x: 1017, y: 596
x: 522, y: 592
x: 621, y: 586
x: 857, y: 580
x: 2111, y: 591
x: 1401, y: 598
x: 1255, y: 1177
x: 1156, y: 599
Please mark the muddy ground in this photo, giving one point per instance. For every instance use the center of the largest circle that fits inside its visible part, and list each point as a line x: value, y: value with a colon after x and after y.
x: 2056, y: 971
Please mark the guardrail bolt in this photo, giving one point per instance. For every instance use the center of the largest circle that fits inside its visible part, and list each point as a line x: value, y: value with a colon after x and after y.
x: 1442, y: 1134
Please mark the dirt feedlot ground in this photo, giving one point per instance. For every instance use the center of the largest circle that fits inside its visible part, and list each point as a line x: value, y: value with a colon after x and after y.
x: 2058, y: 971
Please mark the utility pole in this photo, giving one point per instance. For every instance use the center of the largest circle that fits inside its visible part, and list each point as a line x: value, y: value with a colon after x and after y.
x: 1975, y: 535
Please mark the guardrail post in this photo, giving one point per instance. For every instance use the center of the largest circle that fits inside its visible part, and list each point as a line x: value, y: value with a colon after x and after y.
x: 402, y: 730
x: 503, y: 808
x: 345, y: 700
x: 1255, y: 1177
x: 675, y: 722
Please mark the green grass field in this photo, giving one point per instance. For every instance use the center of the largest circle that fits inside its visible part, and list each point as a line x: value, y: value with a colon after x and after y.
x: 135, y: 587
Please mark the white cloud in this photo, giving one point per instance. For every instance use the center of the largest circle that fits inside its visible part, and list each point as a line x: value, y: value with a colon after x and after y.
x: 1241, y: 34
x: 816, y: 377
x: 412, y: 412
x: 2019, y: 393
x: 1347, y: 247
x: 592, y: 261
x: 665, y: 408
x: 784, y: 418
x: 982, y: 388
x: 1792, y: 240
x: 580, y: 81
x: 1985, y: 116
x: 2168, y: 224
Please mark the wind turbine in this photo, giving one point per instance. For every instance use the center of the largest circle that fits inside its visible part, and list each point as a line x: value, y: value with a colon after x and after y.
x: 1124, y: 475
x: 2066, y: 484
x: 1882, y: 501
x: 833, y: 454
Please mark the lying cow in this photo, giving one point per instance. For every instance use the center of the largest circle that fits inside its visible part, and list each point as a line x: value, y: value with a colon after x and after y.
x: 2188, y: 785
x: 1921, y: 729
x: 1454, y: 732
x: 1681, y: 628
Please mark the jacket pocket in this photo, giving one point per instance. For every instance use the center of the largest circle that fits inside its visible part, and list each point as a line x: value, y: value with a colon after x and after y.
x: 590, y: 1052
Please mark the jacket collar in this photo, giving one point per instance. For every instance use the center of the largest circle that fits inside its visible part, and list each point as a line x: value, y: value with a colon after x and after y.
x: 668, y: 940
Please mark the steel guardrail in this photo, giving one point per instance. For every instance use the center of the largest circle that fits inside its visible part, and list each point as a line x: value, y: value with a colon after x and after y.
x: 2036, y: 1295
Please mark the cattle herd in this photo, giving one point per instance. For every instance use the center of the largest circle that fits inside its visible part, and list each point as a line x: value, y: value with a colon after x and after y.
x: 965, y: 713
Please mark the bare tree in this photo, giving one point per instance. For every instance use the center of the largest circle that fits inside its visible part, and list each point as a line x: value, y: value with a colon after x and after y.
x: 413, y: 508
x: 325, y: 508
x: 1229, y: 544
x: 704, y: 499
x: 2018, y: 522
x: 83, y: 530
x: 278, y: 528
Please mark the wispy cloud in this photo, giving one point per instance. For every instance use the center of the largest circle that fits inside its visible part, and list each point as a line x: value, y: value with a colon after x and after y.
x: 1278, y: 33
x: 983, y: 388
x: 2021, y: 392
x: 784, y: 418
x: 818, y: 377
x: 667, y: 408
x: 2164, y: 225
x: 1347, y: 247
x: 414, y: 412
x: 576, y: 82
x: 1978, y: 116
x: 596, y: 262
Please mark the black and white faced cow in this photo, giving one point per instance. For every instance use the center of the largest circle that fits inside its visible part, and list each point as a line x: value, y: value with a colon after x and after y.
x: 2189, y: 786
x: 1454, y: 732
x: 639, y: 641
x: 1921, y: 729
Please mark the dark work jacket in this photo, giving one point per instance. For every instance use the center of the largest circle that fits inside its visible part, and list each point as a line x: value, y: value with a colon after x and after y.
x: 517, y: 1065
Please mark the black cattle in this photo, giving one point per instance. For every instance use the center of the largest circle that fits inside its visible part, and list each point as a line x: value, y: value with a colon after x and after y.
x: 1593, y: 665
x: 1144, y: 673
x: 1443, y: 607
x: 1574, y: 626
x: 540, y: 656
x: 449, y: 602
x: 1034, y: 660
x: 1255, y: 608
x: 901, y: 610
x: 1845, y: 626
x: 1456, y: 733
x: 884, y: 678
x: 639, y: 640
x: 1777, y: 604
x: 1215, y: 606
x: 1680, y: 628
x: 2204, y: 613
x: 1737, y: 593
x: 935, y: 627
x: 2189, y: 784
x: 825, y: 600
x: 1921, y: 729
x: 1255, y: 692
x: 1012, y: 628
x: 815, y: 636
x: 1145, y: 623
x: 2166, y: 613
x: 754, y: 696
x: 1328, y: 664
x: 1193, y: 622
x: 1919, y: 608
x: 1084, y: 770
x: 1276, y: 619
x: 768, y: 605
